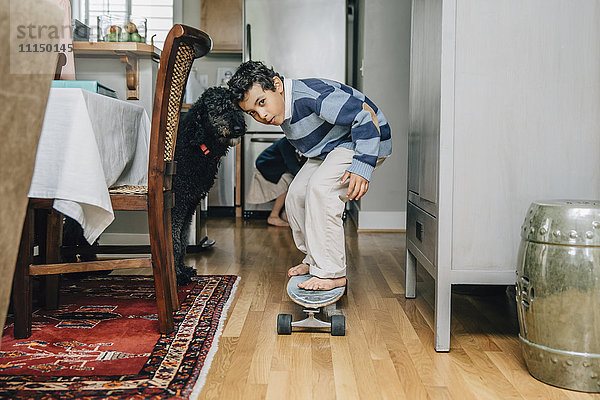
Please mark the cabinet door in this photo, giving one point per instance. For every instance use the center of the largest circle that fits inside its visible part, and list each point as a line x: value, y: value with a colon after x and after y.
x: 424, y: 128
x: 222, y: 20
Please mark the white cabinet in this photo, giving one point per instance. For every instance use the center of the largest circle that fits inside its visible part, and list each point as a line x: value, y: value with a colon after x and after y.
x: 504, y: 110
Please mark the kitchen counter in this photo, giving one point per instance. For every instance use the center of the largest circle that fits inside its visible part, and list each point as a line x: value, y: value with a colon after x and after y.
x: 115, y: 49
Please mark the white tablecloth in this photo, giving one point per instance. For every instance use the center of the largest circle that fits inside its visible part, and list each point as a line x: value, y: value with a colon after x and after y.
x: 89, y: 142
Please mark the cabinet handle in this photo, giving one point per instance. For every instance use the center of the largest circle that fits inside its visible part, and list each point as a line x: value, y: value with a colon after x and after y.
x: 264, y: 140
x: 419, y: 231
x: 248, y: 42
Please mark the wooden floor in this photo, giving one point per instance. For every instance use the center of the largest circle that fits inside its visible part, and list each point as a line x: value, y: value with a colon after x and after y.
x: 388, y: 350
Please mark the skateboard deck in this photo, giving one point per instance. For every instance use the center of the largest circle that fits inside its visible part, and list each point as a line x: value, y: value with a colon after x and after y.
x: 312, y: 298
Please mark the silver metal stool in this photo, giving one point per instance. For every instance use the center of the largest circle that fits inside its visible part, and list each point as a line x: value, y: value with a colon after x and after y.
x: 558, y: 293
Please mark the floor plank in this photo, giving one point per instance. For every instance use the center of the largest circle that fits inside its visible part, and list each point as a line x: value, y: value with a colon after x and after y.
x: 322, y: 363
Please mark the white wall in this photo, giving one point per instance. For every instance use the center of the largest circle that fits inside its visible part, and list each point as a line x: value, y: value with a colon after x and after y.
x: 383, y: 54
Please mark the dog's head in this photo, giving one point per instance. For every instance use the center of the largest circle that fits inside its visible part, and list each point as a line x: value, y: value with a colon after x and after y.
x: 222, y: 119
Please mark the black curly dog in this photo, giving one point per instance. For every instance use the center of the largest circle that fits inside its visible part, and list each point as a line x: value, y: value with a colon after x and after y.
x: 208, y: 129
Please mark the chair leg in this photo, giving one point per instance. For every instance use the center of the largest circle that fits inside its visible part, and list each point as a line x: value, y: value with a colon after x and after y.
x: 163, y: 296
x: 161, y: 269
x: 53, y: 243
x: 21, y: 290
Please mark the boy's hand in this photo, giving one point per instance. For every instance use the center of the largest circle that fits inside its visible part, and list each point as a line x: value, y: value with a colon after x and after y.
x: 357, y: 187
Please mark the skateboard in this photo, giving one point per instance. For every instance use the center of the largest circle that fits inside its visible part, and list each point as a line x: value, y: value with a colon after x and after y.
x: 312, y: 301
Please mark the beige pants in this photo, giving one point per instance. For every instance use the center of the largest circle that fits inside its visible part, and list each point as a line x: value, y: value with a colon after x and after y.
x: 314, y: 205
x: 262, y: 191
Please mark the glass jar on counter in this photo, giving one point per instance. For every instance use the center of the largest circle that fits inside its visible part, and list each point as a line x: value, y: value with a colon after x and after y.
x: 119, y: 28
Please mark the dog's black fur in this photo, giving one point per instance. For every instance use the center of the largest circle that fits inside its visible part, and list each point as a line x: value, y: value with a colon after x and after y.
x: 216, y: 122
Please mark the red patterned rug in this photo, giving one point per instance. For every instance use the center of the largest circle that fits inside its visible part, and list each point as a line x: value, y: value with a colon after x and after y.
x: 103, y: 342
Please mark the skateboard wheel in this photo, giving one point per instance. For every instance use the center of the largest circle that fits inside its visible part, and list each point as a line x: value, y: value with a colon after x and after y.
x: 284, y: 324
x: 338, y: 325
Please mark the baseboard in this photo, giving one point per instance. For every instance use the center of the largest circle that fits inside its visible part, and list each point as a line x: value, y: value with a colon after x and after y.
x: 220, y: 212
x: 352, y: 211
x: 483, y: 277
x: 141, y: 242
x: 139, y: 239
x: 377, y: 221
x: 381, y: 230
x: 124, y: 239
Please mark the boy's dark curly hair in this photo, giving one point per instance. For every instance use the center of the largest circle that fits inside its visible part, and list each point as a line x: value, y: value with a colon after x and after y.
x: 247, y: 75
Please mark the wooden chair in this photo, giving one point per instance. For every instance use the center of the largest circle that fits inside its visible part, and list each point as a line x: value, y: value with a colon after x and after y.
x: 62, y: 61
x: 182, y: 46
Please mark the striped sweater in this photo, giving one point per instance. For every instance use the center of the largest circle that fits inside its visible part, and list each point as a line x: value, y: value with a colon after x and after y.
x: 322, y: 115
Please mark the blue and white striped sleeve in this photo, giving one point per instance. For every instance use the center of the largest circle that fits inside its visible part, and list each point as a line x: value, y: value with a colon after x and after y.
x: 340, y: 107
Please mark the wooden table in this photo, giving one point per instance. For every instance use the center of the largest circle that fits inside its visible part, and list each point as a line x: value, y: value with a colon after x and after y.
x: 89, y: 142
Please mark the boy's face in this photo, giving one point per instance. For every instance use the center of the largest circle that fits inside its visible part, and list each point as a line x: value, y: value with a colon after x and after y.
x: 265, y: 106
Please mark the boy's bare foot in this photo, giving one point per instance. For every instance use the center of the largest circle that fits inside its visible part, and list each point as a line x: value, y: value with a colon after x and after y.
x: 276, y: 221
x: 284, y: 215
x: 300, y: 269
x: 315, y: 283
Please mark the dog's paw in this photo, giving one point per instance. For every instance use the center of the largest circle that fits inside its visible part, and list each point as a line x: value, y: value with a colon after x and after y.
x: 184, y: 275
x: 183, y: 280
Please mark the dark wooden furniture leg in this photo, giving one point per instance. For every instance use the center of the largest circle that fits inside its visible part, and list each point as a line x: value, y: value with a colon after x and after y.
x: 54, y: 228
x: 160, y: 268
x: 21, y: 292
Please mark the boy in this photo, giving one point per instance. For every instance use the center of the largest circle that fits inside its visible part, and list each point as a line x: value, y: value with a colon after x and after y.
x: 344, y: 136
